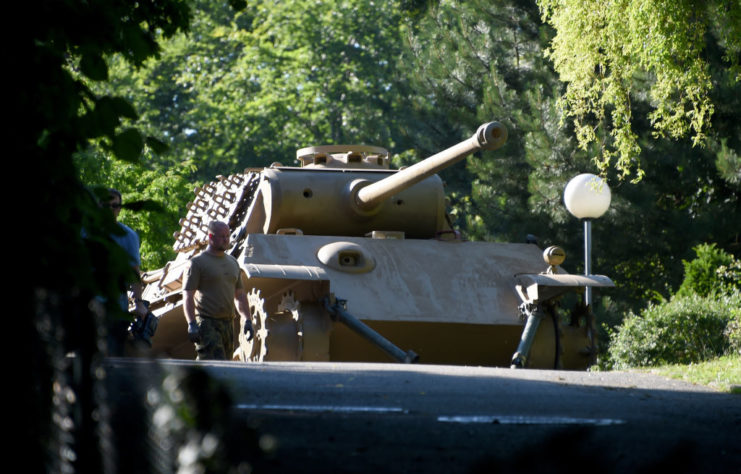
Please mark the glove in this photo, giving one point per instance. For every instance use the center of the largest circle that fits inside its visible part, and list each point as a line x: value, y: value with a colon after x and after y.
x: 248, y: 329
x: 194, y: 332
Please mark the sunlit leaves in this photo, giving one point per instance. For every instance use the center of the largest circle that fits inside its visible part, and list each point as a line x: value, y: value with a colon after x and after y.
x: 682, y: 330
x: 601, y: 47
x: 248, y: 88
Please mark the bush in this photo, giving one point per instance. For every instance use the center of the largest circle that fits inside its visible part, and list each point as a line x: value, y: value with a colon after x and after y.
x: 729, y: 277
x: 683, y: 330
x: 733, y: 332
x: 701, y: 321
x: 701, y: 275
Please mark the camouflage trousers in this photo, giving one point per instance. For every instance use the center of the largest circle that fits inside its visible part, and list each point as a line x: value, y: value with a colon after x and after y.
x: 217, y: 339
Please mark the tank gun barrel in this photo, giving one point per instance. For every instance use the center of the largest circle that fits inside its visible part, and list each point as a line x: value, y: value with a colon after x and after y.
x: 489, y: 136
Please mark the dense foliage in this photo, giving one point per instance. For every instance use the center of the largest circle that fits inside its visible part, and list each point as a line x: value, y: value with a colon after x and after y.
x: 701, y: 322
x: 684, y: 330
x: 247, y: 88
x: 710, y: 273
x: 482, y: 60
x: 74, y: 267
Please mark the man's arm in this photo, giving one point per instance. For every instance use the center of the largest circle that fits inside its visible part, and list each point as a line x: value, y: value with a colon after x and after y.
x: 243, y: 308
x: 189, y: 306
x: 136, y: 288
x: 189, y: 309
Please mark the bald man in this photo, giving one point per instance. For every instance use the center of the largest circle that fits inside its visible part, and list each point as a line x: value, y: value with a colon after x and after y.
x: 212, y: 288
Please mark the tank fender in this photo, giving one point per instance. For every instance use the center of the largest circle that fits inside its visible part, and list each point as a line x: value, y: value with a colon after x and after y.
x: 539, y: 287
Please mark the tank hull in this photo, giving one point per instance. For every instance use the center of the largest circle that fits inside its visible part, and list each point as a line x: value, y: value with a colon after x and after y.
x: 449, y: 302
x: 409, y: 280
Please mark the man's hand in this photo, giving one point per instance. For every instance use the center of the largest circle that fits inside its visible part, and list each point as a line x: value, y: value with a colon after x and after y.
x: 247, y: 324
x: 194, y: 332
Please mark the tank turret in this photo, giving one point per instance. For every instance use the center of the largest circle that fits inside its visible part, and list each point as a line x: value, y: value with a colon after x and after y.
x: 343, y: 261
x: 349, y: 190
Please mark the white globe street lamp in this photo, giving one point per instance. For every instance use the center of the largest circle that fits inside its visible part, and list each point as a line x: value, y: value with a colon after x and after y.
x: 587, y: 197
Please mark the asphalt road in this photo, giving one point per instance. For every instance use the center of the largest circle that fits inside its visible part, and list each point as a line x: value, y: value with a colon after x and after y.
x: 342, y: 417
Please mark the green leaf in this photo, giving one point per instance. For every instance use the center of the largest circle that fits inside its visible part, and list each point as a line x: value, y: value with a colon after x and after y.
x: 94, y: 67
x: 156, y: 145
x: 128, y: 145
x: 105, y: 117
x: 123, y: 108
x: 144, y: 205
x: 238, y: 5
x: 108, y: 112
x: 140, y: 46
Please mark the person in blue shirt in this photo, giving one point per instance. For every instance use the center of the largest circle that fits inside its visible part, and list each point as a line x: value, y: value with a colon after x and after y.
x: 129, y: 241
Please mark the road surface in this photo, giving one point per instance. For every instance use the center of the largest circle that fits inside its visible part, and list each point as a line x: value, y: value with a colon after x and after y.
x: 352, y: 417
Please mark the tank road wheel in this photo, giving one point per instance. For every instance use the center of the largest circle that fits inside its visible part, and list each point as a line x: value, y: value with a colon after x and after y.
x: 254, y: 350
x: 276, y: 335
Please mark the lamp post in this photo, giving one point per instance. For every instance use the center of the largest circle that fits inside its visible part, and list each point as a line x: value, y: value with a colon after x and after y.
x: 587, y: 197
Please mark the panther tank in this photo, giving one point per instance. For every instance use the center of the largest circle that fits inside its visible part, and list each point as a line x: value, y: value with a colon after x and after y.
x: 344, y: 259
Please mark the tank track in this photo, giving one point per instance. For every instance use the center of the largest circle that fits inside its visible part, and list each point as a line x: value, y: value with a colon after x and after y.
x: 227, y: 199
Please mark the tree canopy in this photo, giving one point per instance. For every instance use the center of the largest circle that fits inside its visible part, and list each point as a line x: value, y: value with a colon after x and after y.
x: 478, y: 61
x: 244, y: 88
x: 613, y: 53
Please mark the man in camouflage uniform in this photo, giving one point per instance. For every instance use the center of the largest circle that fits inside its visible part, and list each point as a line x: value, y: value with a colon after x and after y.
x: 212, y: 287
